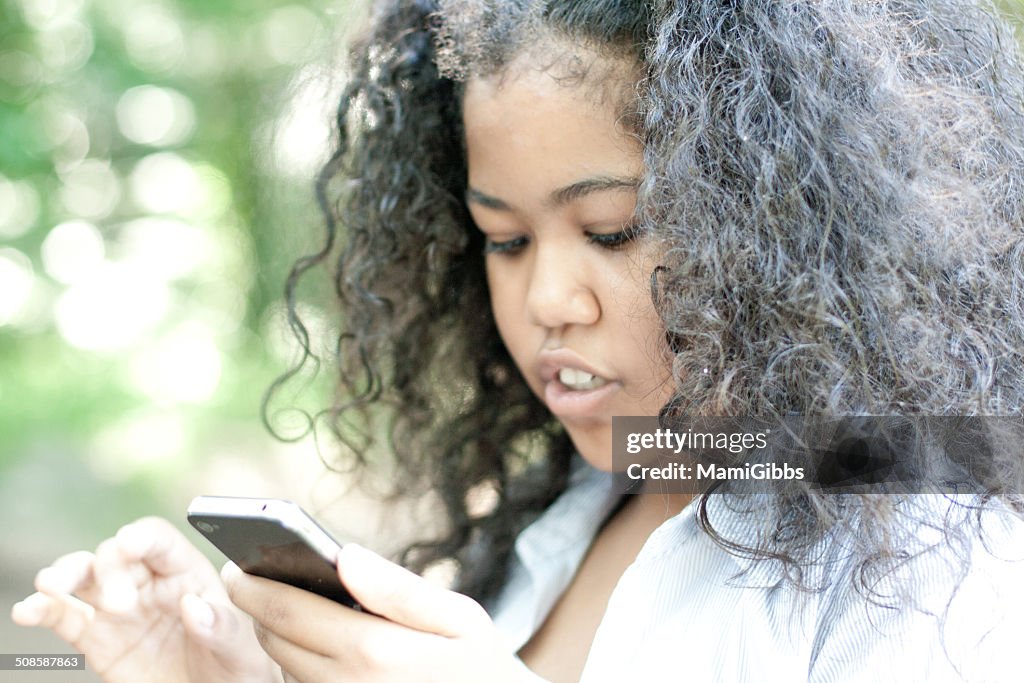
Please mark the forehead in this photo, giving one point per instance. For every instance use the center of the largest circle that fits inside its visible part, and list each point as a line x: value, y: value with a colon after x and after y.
x: 536, y: 124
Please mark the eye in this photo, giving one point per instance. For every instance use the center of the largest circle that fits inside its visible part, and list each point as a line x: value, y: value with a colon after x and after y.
x: 510, y: 247
x: 614, y: 240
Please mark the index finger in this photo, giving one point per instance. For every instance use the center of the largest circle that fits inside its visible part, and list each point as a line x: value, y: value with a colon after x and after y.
x: 306, y: 619
x: 68, y: 574
x: 160, y: 546
x: 397, y: 594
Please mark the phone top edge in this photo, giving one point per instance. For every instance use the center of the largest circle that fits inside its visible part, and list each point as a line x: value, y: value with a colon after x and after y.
x: 231, y: 505
x: 286, y: 513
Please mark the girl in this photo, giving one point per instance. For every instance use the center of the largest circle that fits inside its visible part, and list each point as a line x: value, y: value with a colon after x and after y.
x: 690, y: 208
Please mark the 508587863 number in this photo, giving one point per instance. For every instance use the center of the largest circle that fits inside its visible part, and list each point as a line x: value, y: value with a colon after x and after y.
x: 57, y: 662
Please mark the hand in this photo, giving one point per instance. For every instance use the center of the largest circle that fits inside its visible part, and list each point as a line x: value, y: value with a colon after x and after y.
x: 146, y: 606
x: 417, y: 632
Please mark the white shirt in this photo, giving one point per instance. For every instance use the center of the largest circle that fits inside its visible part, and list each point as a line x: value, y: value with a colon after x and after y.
x: 680, y: 612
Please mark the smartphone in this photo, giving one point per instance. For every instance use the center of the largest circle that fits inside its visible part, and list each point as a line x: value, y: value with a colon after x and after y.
x: 272, y: 538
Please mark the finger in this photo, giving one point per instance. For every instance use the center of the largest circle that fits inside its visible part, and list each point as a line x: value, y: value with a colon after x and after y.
x: 304, y: 618
x: 65, y: 615
x: 160, y: 546
x: 227, y: 634
x: 138, y: 551
x: 118, y: 578
x: 280, y: 613
x: 297, y: 663
x: 32, y: 610
x: 200, y: 618
x: 218, y: 625
x: 399, y: 595
x: 68, y: 574
x: 356, y: 642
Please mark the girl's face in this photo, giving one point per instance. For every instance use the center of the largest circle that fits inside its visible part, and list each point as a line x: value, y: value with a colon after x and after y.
x: 552, y: 185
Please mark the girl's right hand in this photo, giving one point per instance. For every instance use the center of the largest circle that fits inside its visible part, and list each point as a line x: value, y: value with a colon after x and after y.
x: 147, y: 605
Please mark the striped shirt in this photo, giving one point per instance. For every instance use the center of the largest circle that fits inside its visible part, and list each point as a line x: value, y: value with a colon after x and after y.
x: 686, y: 609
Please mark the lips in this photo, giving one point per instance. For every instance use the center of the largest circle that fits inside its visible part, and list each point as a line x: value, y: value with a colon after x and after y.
x: 572, y: 387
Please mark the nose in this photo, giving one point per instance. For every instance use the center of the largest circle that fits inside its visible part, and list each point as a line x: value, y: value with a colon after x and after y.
x: 559, y: 292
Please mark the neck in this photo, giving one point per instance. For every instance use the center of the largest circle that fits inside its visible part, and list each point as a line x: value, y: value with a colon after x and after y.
x: 648, y: 511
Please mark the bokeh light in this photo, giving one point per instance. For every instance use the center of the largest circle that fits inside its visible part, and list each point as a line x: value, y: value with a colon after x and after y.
x: 151, y: 115
x: 112, y: 309
x: 292, y: 34
x: 141, y: 440
x: 41, y: 14
x: 16, y: 282
x: 300, y: 138
x: 153, y: 37
x: 65, y: 45
x: 91, y: 189
x: 166, y: 249
x: 183, y: 366
x: 165, y: 183
x: 19, y: 208
x: 72, y: 251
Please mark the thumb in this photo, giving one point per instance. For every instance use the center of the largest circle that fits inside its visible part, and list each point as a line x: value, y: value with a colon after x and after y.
x: 216, y: 626
x: 395, y: 593
x: 227, y: 637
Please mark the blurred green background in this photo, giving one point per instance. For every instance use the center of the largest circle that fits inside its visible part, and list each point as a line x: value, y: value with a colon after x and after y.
x: 156, y: 165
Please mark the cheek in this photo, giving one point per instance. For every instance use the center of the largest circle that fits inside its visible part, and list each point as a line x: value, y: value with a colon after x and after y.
x: 507, y: 307
x: 639, y: 335
x: 629, y: 299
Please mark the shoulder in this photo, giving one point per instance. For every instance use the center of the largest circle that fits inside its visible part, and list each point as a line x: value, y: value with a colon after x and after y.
x: 948, y: 606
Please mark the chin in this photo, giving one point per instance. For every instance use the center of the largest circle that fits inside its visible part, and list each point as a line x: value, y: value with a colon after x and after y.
x: 595, y: 448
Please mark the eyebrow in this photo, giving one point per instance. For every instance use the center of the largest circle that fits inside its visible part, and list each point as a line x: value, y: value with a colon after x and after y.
x: 563, y: 195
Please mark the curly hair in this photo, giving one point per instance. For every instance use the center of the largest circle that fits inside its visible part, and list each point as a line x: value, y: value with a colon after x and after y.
x: 839, y: 187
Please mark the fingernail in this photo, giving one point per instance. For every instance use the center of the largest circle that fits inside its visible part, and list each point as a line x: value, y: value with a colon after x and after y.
x: 24, y: 613
x: 229, y: 572
x: 199, y: 611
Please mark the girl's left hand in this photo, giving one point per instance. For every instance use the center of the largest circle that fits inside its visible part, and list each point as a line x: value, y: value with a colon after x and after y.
x: 417, y: 632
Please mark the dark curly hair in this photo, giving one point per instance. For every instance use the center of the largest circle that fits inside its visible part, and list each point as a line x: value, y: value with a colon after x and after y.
x: 839, y: 186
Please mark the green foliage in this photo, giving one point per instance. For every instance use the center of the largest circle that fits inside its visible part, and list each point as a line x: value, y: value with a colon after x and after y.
x: 156, y: 165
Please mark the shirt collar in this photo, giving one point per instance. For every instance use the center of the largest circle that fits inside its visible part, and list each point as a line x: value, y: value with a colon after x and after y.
x: 549, y: 551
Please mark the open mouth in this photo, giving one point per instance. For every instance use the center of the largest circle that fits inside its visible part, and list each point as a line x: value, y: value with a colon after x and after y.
x: 573, y: 389
x: 579, y: 380
x: 577, y: 394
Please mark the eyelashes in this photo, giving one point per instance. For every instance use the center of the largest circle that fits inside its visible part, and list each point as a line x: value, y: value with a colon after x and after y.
x: 614, y: 240
x: 511, y: 246
x: 611, y: 241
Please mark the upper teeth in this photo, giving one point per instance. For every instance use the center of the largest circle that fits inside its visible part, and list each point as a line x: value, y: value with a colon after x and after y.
x: 579, y: 380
